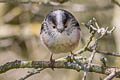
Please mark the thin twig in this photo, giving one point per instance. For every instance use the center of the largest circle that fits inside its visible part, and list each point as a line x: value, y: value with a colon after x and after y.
x: 110, y: 76
x: 86, y: 46
x: 85, y: 69
x: 89, y: 25
x: 95, y: 45
x: 31, y: 73
x: 103, y: 60
x: 85, y: 75
x: 117, y: 54
x: 113, y: 74
x: 94, y: 27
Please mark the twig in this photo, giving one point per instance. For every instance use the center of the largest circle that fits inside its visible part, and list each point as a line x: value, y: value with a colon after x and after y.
x: 86, y: 46
x: 91, y: 58
x: 113, y: 74
x: 89, y: 25
x: 95, y: 46
x: 85, y: 75
x: 31, y: 73
x: 93, y: 27
x: 110, y: 76
x: 105, y: 52
x: 85, y: 70
x: 103, y: 60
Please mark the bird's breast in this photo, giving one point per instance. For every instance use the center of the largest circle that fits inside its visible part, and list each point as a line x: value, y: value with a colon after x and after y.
x: 61, y: 42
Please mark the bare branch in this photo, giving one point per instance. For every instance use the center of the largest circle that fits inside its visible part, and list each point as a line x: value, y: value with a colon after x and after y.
x: 110, y: 76
x: 37, y: 64
x: 113, y: 74
x: 31, y: 73
x: 103, y: 60
x: 58, y: 65
x: 94, y: 27
x: 85, y: 75
x: 105, y: 52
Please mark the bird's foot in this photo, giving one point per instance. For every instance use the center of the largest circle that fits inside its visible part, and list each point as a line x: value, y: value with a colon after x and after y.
x: 73, y: 56
x: 52, y: 61
x: 70, y: 58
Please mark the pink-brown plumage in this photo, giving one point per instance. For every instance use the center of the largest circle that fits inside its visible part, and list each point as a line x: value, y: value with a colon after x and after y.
x: 60, y: 32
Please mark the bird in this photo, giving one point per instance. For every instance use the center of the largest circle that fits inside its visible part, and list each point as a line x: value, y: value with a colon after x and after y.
x: 60, y: 32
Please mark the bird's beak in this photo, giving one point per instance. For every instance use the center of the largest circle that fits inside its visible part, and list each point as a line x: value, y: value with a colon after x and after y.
x: 60, y: 30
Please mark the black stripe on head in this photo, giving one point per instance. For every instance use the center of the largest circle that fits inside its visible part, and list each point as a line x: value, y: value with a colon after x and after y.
x: 65, y: 19
x: 43, y: 27
x: 50, y: 17
x: 69, y: 16
x: 77, y: 24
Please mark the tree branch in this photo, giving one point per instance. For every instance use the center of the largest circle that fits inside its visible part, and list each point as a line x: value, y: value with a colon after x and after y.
x: 58, y: 65
x: 36, y: 64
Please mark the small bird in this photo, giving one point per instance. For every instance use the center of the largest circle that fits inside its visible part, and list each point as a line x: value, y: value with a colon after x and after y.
x: 60, y: 32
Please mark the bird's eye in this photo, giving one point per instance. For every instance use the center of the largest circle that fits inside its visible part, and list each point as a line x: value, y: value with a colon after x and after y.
x: 65, y: 26
x: 54, y: 26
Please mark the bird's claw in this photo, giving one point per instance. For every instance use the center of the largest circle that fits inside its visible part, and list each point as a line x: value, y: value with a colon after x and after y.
x: 52, y: 61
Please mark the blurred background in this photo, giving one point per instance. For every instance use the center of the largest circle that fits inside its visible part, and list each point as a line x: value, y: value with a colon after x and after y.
x: 20, y: 27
